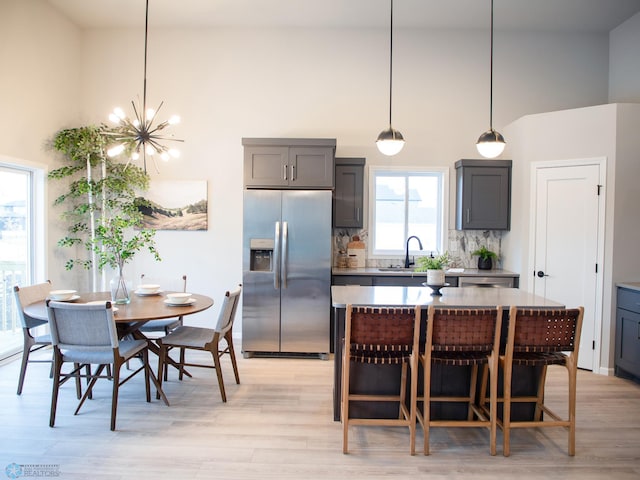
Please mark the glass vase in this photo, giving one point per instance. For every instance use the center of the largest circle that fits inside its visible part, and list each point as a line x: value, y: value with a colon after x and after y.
x: 120, y: 289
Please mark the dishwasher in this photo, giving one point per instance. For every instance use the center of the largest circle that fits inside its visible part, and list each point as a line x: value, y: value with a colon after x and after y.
x: 491, y: 282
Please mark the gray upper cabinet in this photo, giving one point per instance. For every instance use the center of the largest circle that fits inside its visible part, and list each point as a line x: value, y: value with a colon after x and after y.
x: 483, y: 196
x: 289, y: 162
x: 348, y: 198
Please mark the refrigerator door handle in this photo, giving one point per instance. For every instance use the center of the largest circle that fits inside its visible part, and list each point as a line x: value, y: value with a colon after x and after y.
x: 276, y: 260
x: 284, y: 253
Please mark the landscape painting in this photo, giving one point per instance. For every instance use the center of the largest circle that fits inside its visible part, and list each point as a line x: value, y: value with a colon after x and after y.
x: 175, y: 205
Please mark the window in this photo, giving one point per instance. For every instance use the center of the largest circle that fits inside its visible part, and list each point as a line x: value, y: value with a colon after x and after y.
x: 407, y: 201
x: 21, y: 208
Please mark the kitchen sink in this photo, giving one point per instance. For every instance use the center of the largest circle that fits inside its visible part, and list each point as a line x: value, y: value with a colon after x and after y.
x: 395, y: 269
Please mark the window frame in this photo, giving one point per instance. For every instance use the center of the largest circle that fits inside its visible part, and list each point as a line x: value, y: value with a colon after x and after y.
x: 406, y: 171
x: 35, y: 270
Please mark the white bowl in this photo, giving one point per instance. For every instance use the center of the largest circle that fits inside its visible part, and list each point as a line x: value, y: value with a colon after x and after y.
x: 178, y: 297
x: 61, y: 295
x: 148, y: 288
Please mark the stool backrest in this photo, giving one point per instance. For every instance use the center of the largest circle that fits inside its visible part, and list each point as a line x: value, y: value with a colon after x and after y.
x: 388, y: 331
x: 463, y: 329
x: 545, y: 330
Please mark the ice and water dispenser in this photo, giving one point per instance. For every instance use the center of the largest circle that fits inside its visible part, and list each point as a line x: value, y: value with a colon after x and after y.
x: 261, y: 254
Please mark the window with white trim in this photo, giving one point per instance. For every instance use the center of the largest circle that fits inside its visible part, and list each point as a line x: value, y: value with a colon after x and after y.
x: 21, y: 257
x: 404, y: 202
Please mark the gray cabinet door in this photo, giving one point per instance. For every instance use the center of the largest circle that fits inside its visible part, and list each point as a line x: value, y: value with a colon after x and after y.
x: 483, y: 197
x: 266, y: 166
x: 311, y: 167
x: 348, y: 199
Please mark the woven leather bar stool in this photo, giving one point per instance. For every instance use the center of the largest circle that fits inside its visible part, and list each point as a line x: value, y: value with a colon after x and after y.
x: 382, y: 336
x: 466, y: 338
x: 539, y: 338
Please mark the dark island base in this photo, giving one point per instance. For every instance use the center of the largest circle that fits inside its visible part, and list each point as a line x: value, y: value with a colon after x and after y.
x: 445, y: 380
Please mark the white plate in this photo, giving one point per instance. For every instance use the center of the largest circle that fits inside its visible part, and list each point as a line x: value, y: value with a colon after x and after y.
x: 145, y: 294
x: 191, y: 301
x: 72, y: 299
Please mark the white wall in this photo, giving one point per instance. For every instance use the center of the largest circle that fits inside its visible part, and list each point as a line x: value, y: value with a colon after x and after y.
x: 608, y: 131
x: 624, y: 61
x: 233, y: 83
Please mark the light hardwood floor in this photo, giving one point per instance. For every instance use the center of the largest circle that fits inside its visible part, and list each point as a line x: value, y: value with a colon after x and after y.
x: 278, y: 424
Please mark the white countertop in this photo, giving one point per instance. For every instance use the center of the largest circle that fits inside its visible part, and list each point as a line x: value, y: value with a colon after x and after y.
x: 631, y: 285
x: 341, y: 296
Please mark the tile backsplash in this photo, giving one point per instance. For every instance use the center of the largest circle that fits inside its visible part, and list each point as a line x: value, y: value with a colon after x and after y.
x: 460, y: 245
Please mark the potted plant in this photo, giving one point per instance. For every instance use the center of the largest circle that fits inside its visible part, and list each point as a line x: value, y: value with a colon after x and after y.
x: 101, y: 204
x: 434, y: 266
x: 485, y: 258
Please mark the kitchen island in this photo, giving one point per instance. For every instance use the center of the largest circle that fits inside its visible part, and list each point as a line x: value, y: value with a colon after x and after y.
x: 452, y: 380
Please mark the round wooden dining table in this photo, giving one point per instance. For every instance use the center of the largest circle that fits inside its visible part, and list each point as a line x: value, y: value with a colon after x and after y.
x: 142, y: 308
x: 130, y: 317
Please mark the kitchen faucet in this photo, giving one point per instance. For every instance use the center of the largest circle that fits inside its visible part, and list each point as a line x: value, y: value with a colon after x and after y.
x: 407, y: 264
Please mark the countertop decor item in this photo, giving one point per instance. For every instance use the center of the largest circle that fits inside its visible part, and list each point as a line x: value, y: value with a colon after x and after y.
x: 140, y: 136
x: 491, y: 143
x: 434, y: 266
x: 485, y: 258
x: 390, y: 141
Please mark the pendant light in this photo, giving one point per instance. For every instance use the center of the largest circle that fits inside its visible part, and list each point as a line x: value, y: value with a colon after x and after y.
x: 491, y: 143
x: 390, y: 141
x: 140, y: 136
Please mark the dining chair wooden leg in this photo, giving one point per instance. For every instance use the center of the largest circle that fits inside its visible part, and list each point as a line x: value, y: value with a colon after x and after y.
x: 114, y: 395
x: 540, y: 394
x: 218, y: 367
x: 25, y: 361
x: 57, y: 367
x: 145, y: 359
x: 232, y: 354
x: 182, y: 352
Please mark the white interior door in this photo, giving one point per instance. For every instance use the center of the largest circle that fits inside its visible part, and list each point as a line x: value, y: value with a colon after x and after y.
x: 566, y: 245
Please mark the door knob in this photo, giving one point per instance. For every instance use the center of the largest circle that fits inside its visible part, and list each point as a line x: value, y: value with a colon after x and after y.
x: 541, y: 274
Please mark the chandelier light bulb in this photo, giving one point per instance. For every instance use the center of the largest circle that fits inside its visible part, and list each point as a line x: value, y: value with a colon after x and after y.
x: 150, y: 114
x: 164, y: 156
x: 175, y: 153
x: 150, y: 150
x: 135, y: 156
x: 119, y: 113
x: 114, y: 118
x: 174, y: 120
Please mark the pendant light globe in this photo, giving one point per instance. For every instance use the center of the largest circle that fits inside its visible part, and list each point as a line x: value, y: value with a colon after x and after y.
x: 490, y: 144
x: 390, y: 142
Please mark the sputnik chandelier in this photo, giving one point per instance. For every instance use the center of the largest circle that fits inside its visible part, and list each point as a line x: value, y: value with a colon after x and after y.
x: 140, y: 136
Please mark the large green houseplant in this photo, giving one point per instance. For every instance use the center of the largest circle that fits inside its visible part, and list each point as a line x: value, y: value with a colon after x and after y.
x: 101, y: 205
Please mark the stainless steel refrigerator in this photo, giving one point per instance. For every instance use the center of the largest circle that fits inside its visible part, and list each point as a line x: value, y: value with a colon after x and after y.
x: 286, y: 272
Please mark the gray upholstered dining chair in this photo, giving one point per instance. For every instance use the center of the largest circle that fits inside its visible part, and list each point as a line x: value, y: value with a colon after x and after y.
x: 204, y: 339
x: 86, y: 334
x: 26, y: 296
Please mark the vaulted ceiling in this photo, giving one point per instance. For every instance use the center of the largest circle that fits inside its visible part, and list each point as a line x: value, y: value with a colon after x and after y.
x: 548, y: 15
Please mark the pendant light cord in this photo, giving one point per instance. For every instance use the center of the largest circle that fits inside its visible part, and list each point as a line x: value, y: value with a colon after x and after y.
x: 491, y: 75
x: 390, y: 63
x: 144, y: 86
